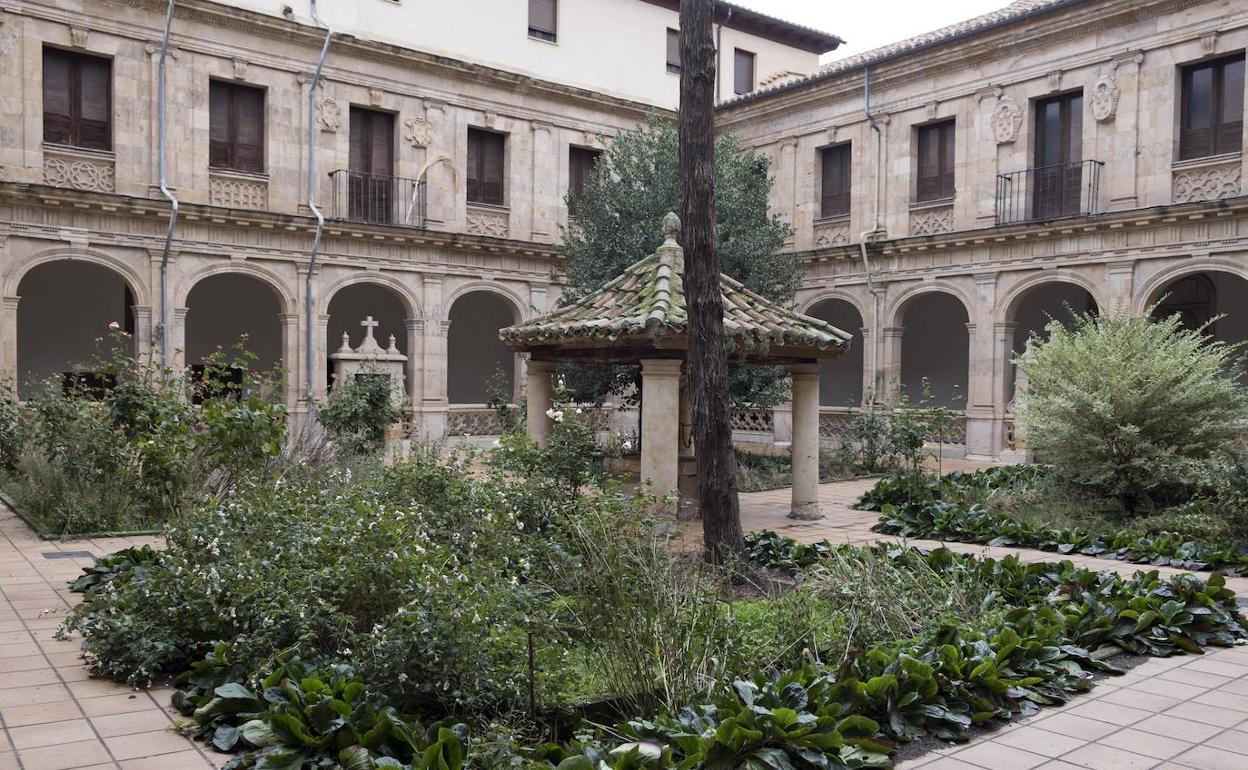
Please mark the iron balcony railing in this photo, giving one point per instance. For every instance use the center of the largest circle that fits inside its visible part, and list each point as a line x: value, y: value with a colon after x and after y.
x: 1049, y: 192
x: 387, y: 200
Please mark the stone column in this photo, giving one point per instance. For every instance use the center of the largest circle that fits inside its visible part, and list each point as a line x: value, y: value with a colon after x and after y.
x: 415, y: 331
x: 291, y: 328
x: 143, y: 342
x: 177, y: 339
x: 1120, y: 287
x: 891, y: 366
x: 660, y: 426
x: 805, y: 442
x: 541, y: 398
x: 8, y: 344
x: 1003, y: 355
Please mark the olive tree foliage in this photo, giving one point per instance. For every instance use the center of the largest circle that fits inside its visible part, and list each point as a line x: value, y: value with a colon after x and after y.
x: 616, y: 221
x: 1124, y: 406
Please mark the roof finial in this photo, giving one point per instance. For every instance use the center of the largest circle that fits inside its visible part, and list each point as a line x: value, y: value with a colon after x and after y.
x: 671, y: 229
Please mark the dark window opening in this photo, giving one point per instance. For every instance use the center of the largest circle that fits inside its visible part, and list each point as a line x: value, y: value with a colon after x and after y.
x: 485, y: 166
x: 543, y: 15
x: 673, y: 51
x: 581, y: 161
x: 743, y: 71
x: 936, y: 158
x: 1212, y: 108
x: 236, y: 127
x: 370, y: 185
x: 1058, y: 180
x: 834, y: 181
x: 77, y: 100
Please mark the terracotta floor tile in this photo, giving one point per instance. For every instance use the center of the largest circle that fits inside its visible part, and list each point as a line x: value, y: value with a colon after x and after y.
x: 147, y: 744
x: 118, y: 703
x: 80, y: 754
x: 51, y: 734
x: 149, y: 720
x: 17, y: 716
x: 190, y: 760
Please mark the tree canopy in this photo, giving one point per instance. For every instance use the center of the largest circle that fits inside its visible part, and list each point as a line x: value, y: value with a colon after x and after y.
x: 615, y: 221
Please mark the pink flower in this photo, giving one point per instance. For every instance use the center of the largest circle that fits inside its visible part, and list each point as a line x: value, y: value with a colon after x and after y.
x: 114, y: 326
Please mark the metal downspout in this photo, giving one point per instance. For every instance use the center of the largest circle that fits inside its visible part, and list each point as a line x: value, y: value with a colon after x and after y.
x: 875, y: 229
x: 310, y: 341
x: 165, y: 358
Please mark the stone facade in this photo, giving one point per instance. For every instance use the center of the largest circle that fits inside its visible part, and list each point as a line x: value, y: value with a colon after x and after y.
x: 946, y: 282
x: 81, y: 207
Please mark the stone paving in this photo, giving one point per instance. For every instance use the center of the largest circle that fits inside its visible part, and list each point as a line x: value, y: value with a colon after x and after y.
x: 1184, y: 712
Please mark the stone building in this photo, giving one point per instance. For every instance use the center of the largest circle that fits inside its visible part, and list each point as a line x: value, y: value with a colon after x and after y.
x: 956, y: 192
x: 442, y: 178
x: 950, y: 194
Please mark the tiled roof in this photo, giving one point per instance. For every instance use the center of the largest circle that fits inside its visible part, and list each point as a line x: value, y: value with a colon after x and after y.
x: 1013, y: 12
x: 648, y: 301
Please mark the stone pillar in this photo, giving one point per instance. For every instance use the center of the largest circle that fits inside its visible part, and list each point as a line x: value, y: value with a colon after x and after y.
x: 143, y: 342
x: 415, y: 331
x: 891, y: 365
x: 541, y: 398
x: 433, y: 398
x: 291, y: 329
x: 1003, y: 355
x: 805, y: 442
x: 1120, y: 287
x: 660, y: 426
x: 8, y: 344
x: 177, y: 339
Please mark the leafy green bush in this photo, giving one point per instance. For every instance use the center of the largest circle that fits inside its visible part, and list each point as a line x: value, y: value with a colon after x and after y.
x: 1124, y: 406
x: 359, y: 412
x: 139, y: 452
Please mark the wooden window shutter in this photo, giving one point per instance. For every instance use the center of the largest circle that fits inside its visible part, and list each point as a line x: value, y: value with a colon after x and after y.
x: 57, y: 97
x: 580, y: 166
x: 95, y: 124
x: 219, y: 120
x: 1230, y: 128
x: 474, y: 165
x: 673, y: 50
x: 543, y: 15
x: 935, y: 162
x: 249, y: 129
x: 834, y: 181
x: 492, y: 169
x: 948, y: 156
x: 743, y: 72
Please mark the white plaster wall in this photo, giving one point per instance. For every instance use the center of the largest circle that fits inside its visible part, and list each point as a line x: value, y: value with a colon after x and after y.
x: 617, y: 47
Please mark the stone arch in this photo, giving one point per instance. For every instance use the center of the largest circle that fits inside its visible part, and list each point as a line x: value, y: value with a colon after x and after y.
x: 134, y: 280
x: 1031, y: 306
x: 65, y: 317
x: 841, y: 378
x: 223, y: 306
x: 440, y: 159
x: 934, y: 346
x: 897, y: 308
x: 1152, y: 289
x: 474, y: 353
x: 1201, y: 294
x: 1007, y: 306
x: 411, y: 305
x: 520, y: 308
x: 350, y: 301
x: 286, y: 297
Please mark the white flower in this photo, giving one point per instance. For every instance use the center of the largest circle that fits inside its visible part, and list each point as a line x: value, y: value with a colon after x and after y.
x: 580, y: 410
x: 627, y: 446
x: 555, y: 414
x: 114, y: 326
x: 497, y: 442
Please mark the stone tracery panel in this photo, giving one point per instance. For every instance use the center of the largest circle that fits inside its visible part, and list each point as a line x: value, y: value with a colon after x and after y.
x: 832, y: 233
x: 1207, y: 182
x: 237, y: 193
x: 80, y: 171
x: 931, y: 221
x: 488, y: 222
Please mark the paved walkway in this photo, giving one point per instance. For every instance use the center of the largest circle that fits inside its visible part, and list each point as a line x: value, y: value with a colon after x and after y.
x: 1184, y: 712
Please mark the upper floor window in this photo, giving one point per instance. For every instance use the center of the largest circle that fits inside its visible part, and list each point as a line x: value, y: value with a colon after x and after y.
x: 485, y: 166
x: 935, y: 172
x: 743, y: 71
x: 371, y: 189
x: 77, y: 99
x: 235, y: 127
x: 542, y: 17
x: 1212, y: 108
x: 673, y: 51
x: 581, y: 162
x: 834, y: 178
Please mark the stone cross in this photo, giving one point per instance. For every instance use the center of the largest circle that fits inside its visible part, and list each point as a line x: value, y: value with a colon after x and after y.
x: 368, y: 323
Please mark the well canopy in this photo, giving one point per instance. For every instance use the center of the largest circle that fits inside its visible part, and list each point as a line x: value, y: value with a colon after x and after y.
x: 642, y: 314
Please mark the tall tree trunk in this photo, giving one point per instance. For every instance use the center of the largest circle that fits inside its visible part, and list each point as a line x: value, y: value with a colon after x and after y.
x: 706, y: 362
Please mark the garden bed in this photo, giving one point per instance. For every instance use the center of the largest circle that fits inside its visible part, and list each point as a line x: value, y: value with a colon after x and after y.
x: 982, y: 508
x: 761, y: 472
x: 417, y: 617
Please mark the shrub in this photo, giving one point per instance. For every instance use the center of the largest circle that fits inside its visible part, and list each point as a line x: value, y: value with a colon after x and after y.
x: 1122, y: 405
x: 359, y: 412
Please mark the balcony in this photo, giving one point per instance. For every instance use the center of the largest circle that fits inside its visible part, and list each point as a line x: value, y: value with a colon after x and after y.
x: 377, y: 199
x: 1049, y: 192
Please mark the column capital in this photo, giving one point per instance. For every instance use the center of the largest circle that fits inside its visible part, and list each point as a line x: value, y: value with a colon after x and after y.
x: 660, y: 367
x: 540, y: 367
x: 1005, y: 326
x: 896, y: 332
x: 807, y: 369
x: 10, y: 303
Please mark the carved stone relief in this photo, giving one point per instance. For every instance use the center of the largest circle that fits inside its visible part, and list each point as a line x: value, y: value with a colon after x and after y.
x: 931, y: 221
x: 419, y: 132
x: 240, y: 69
x: 1007, y: 118
x: 328, y: 114
x: 1207, y: 183
x: 95, y: 174
x: 834, y: 233
x: 487, y: 222
x: 237, y: 193
x: 78, y: 36
x: 1104, y: 98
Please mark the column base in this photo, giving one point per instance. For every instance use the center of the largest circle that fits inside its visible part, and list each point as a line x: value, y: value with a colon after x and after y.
x: 806, y: 512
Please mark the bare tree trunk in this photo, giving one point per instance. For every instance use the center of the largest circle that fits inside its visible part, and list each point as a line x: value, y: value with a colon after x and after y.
x: 706, y: 363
